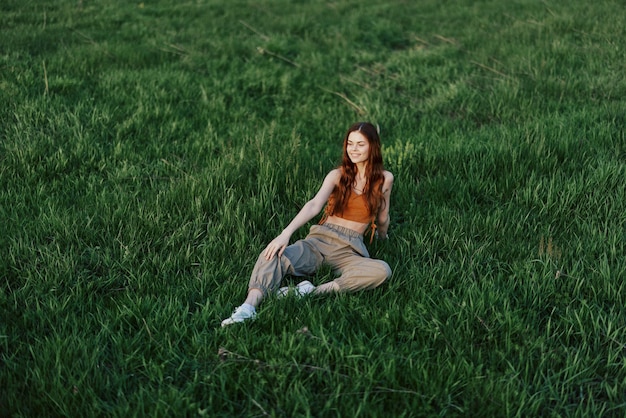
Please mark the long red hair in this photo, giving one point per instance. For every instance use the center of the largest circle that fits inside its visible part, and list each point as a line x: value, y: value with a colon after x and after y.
x: 373, y: 189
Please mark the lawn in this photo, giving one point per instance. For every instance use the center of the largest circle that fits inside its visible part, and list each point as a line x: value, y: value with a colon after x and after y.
x: 149, y: 151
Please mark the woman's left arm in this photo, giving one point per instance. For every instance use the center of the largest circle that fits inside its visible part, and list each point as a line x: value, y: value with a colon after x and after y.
x: 383, y: 214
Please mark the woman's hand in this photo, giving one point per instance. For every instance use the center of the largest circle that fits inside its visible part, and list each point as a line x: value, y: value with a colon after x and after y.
x: 277, y: 246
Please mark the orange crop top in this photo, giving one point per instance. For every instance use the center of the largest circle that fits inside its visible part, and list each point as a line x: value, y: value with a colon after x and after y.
x: 355, y: 210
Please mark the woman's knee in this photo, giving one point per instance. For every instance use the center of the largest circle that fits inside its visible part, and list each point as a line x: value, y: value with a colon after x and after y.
x: 385, y: 270
x: 380, y: 272
x: 369, y: 275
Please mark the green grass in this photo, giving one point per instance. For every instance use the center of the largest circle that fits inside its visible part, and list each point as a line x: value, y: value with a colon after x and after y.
x: 149, y: 150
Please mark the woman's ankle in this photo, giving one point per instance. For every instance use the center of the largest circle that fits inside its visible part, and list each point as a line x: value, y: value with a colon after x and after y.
x: 254, y: 298
x: 330, y: 287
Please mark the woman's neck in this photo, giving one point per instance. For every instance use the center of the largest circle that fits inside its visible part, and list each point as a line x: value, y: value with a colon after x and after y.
x: 360, y: 171
x: 360, y: 180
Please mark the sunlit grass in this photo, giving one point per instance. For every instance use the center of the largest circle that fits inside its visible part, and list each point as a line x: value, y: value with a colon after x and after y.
x: 149, y: 150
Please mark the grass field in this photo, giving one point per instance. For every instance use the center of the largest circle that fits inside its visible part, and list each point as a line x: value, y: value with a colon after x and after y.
x: 149, y: 150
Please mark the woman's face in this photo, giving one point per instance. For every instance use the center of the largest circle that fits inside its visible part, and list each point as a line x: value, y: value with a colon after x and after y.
x: 357, y: 147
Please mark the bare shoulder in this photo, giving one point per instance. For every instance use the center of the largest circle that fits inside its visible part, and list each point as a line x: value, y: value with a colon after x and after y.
x: 331, y: 180
x: 388, y: 177
x: 334, y: 175
x: 388, y: 182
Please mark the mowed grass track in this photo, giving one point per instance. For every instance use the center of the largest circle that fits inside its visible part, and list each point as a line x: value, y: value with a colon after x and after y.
x: 149, y: 150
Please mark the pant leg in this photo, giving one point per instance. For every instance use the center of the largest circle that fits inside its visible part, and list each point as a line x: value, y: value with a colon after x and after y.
x: 358, y: 272
x: 301, y: 258
x: 347, y: 254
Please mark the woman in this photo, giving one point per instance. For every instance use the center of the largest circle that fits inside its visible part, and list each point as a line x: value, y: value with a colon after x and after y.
x: 356, y: 195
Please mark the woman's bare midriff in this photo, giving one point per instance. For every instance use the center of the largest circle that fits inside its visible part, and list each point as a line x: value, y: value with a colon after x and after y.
x: 355, y: 226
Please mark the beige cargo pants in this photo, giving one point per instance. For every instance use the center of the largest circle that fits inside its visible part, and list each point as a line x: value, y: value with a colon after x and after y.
x: 341, y: 248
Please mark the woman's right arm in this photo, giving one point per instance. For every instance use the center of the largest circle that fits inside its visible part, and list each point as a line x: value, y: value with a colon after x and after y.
x: 312, y: 208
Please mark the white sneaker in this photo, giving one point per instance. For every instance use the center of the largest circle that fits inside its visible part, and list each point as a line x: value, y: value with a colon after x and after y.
x: 282, y: 292
x: 303, y: 288
x: 242, y: 313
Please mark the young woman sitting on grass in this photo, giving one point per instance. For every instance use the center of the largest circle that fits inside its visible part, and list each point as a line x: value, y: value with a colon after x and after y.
x: 356, y: 195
